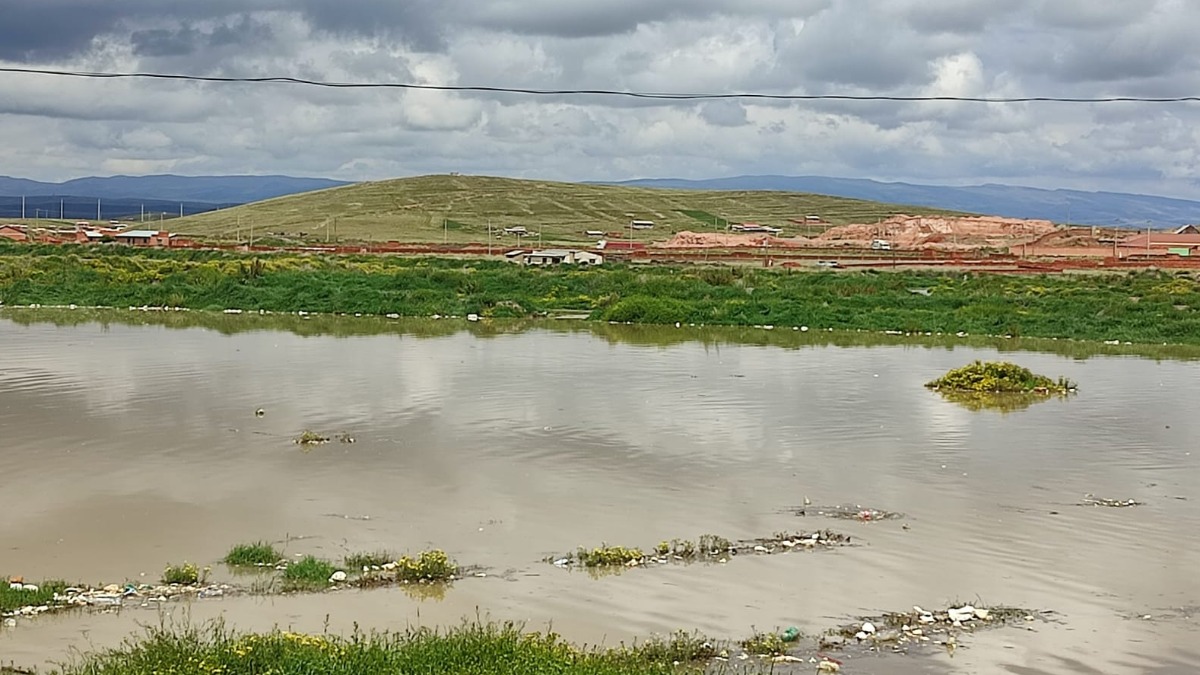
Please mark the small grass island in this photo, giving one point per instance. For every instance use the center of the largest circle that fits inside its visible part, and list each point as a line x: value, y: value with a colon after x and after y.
x: 999, y: 377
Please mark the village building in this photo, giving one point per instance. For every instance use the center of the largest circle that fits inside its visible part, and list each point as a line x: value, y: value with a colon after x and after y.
x: 556, y: 256
x: 1160, y: 243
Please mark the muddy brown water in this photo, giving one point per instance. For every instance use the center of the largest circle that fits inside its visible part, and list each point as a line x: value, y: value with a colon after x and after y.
x: 128, y: 446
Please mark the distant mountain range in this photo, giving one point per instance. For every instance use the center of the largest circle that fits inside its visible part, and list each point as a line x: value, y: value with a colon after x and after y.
x: 124, y: 196
x: 1060, y: 206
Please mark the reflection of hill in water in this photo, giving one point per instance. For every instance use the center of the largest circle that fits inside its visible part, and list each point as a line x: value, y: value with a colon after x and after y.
x: 1005, y: 403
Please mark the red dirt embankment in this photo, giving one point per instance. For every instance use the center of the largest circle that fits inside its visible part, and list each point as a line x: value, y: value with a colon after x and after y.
x: 903, y: 232
x: 938, y: 232
x: 718, y: 240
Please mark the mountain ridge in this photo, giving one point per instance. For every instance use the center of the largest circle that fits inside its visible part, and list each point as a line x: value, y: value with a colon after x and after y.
x: 1077, y: 207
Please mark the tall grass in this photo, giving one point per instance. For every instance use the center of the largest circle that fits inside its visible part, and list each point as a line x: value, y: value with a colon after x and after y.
x: 472, y: 649
x: 1145, y: 307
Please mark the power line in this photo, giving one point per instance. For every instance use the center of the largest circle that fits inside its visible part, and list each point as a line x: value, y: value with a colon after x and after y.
x: 666, y: 96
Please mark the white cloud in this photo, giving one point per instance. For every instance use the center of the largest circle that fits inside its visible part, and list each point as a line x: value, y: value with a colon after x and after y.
x: 56, y: 128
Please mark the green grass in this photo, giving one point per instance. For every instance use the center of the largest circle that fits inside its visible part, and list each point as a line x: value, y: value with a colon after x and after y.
x: 12, y: 599
x: 258, y: 553
x: 357, y: 561
x: 472, y: 649
x: 414, y: 209
x: 308, y: 573
x: 1140, y: 307
x: 185, y: 574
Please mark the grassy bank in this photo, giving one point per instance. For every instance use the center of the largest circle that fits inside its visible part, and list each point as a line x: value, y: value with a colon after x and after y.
x: 473, y: 649
x: 1144, y: 307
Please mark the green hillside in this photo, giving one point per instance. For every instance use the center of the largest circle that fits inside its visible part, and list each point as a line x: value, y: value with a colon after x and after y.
x: 459, y: 208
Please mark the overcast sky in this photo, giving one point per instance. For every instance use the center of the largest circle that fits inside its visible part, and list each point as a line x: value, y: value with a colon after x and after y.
x: 57, y: 128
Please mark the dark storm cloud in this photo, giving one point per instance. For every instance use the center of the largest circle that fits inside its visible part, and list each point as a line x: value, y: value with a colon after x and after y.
x: 187, y: 39
x: 418, y: 23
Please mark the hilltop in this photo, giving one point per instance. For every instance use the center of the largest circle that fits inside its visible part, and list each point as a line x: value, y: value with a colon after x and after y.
x: 460, y: 208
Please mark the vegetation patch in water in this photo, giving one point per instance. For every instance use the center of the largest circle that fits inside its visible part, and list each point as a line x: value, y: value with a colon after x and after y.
x: 476, y: 649
x: 709, y: 548
x: 187, y: 574
x: 308, y: 573
x: 256, y: 554
x: 311, y: 438
x: 847, y: 512
x: 15, y: 593
x: 366, y: 561
x: 999, y: 377
x: 433, y: 567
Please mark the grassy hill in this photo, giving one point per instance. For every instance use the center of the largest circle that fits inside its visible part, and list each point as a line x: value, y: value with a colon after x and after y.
x: 414, y: 209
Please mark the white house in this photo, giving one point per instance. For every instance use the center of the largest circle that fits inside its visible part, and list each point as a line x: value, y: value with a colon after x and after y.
x: 561, y: 256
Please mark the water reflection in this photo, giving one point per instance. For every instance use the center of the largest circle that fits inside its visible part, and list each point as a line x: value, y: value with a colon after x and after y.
x: 977, y: 401
x: 131, y: 440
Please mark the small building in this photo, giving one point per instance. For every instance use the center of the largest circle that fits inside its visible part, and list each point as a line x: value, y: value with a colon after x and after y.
x: 1188, y: 229
x: 143, y: 238
x: 1160, y: 243
x: 641, y: 224
x: 14, y: 232
x: 557, y: 256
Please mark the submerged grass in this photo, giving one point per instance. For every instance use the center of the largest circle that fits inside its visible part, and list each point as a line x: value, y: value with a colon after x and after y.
x: 13, y: 598
x: 1139, y: 307
x: 367, y: 560
x: 308, y: 573
x: 471, y: 649
x: 257, y: 553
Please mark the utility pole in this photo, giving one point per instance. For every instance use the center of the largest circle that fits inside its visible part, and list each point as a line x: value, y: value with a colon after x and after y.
x: 61, y: 209
x: 22, y: 207
x: 142, y: 219
x: 445, y: 232
x: 489, y: 236
x: 97, y: 208
x: 180, y: 209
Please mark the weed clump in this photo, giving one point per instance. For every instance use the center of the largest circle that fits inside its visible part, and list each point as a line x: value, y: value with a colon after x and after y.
x: 679, y: 647
x: 999, y: 377
x: 187, y: 574
x: 428, y: 566
x: 311, y: 438
x: 308, y: 573
x: 15, y: 595
x: 258, y: 553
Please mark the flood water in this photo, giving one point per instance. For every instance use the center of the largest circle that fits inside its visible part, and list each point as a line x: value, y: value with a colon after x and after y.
x: 126, y: 446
